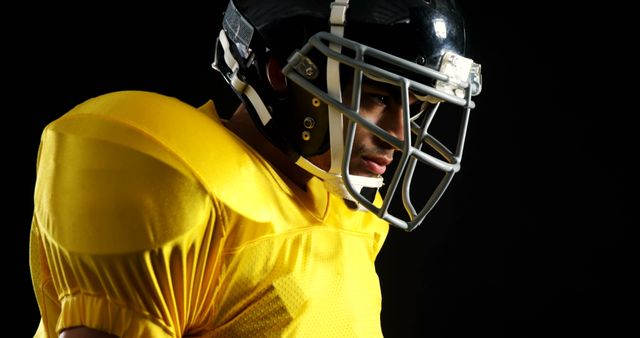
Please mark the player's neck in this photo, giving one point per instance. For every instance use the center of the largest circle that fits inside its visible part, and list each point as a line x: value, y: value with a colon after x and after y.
x: 242, y: 125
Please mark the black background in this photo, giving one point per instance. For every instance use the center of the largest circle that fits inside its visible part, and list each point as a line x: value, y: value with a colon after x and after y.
x: 529, y: 241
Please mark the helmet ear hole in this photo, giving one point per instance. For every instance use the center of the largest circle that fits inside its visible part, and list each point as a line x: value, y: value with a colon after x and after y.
x: 276, y: 79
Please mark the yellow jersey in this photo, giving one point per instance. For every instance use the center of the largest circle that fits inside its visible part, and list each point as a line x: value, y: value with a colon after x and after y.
x: 151, y: 219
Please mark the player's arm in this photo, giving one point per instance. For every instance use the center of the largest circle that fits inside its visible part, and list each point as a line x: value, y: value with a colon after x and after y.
x: 114, y: 230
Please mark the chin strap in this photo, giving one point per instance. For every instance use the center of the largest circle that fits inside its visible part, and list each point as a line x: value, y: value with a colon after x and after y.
x: 335, y: 184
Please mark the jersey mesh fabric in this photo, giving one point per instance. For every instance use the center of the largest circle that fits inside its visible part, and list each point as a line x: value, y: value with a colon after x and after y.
x: 143, y: 230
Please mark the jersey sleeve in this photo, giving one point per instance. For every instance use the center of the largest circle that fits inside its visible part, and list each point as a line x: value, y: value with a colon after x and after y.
x: 121, y: 235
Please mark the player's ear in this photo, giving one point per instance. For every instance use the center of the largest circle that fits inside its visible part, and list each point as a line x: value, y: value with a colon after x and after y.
x: 277, y: 80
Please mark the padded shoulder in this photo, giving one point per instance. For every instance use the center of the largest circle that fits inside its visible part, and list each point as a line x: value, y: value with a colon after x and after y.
x: 132, y: 142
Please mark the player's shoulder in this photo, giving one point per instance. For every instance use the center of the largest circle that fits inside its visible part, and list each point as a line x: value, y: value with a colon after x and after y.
x: 154, y: 114
x: 191, y: 140
x: 137, y: 151
x: 153, y: 124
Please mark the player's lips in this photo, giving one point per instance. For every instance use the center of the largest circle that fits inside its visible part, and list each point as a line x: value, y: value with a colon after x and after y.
x: 376, y: 164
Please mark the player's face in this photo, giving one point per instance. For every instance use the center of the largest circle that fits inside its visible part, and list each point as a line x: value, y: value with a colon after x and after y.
x: 381, y: 104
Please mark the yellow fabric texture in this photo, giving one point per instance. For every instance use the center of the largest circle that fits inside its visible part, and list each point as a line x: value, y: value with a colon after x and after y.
x: 151, y: 219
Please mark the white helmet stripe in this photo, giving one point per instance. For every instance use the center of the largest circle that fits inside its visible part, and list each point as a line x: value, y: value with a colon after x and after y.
x: 336, y: 131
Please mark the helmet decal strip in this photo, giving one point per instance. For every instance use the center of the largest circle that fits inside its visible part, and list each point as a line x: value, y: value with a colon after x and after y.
x: 238, y: 29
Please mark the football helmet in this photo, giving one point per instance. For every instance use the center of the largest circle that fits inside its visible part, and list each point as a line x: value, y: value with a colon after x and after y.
x: 291, y: 60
